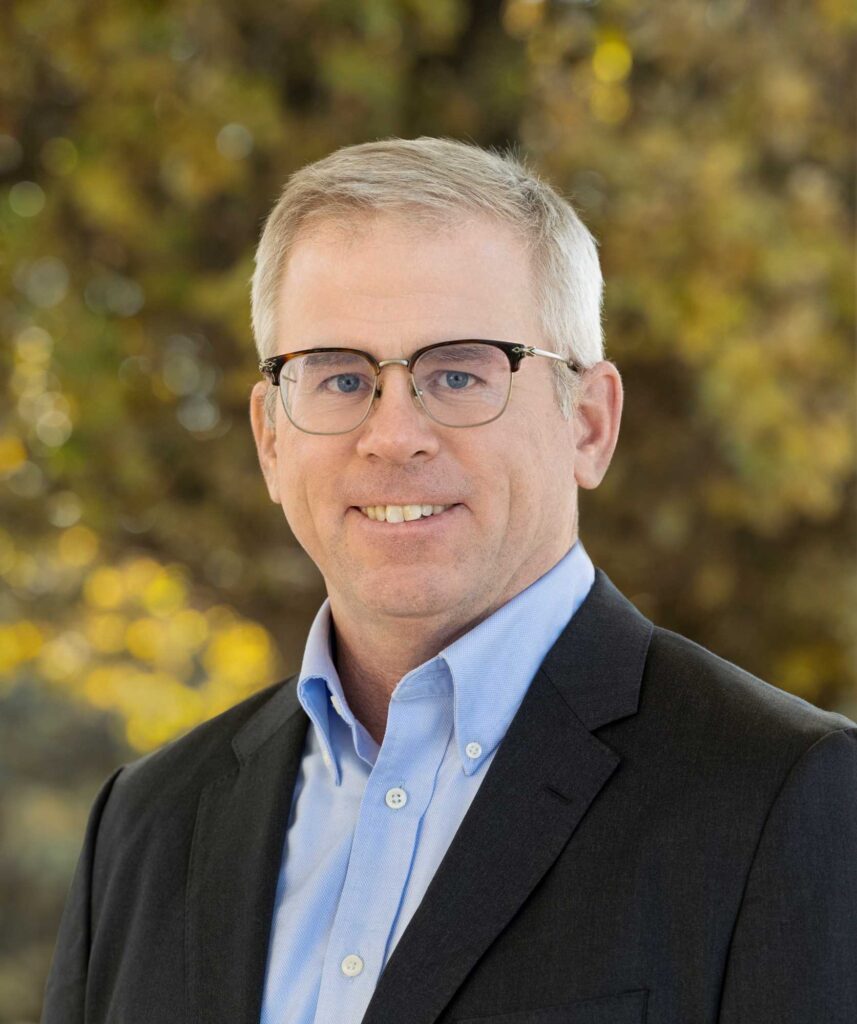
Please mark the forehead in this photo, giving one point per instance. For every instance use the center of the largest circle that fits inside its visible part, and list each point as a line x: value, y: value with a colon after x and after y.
x: 387, y: 280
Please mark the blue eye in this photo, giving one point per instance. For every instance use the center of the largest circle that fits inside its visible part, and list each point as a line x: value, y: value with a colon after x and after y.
x: 457, y: 379
x: 347, y: 383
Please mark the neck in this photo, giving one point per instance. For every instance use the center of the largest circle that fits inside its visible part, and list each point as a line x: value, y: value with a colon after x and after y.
x: 371, y: 660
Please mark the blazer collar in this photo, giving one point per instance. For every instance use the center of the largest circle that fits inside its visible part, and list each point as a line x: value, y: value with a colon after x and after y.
x: 546, y: 774
x: 597, y: 663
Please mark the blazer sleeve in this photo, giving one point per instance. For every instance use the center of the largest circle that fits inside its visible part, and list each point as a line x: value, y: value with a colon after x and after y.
x: 65, y: 989
x: 793, y: 955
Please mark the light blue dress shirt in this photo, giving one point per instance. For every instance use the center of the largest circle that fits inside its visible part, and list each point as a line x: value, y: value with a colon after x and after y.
x: 369, y: 825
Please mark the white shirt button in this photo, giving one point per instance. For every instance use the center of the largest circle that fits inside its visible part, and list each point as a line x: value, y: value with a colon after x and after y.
x: 396, y: 798
x: 325, y: 757
x: 473, y: 750
x: 351, y: 965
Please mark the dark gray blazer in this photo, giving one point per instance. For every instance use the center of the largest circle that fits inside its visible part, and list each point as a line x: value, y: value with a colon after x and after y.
x: 661, y: 837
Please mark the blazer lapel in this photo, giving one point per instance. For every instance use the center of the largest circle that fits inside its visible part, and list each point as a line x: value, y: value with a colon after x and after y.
x: 234, y: 864
x: 545, y: 775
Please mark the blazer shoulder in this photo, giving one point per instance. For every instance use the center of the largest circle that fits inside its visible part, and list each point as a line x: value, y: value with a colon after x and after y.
x: 198, y: 756
x: 729, y: 705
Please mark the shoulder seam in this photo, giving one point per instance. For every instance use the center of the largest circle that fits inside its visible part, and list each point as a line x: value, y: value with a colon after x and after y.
x: 782, y: 786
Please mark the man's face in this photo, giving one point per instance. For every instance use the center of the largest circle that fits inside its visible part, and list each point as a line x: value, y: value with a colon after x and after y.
x: 389, y: 288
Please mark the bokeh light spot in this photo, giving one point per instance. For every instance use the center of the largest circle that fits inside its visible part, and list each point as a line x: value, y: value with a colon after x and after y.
x: 181, y: 372
x: 234, y: 141
x: 26, y: 198
x: 141, y: 638
x: 198, y: 414
x: 64, y: 656
x: 103, y: 588
x: 33, y: 345
x: 240, y: 654
x: 113, y: 293
x: 27, y: 481
x: 520, y: 17
x: 64, y: 509
x: 53, y: 428
x: 77, y: 546
x: 46, y: 282
x: 164, y: 594
x: 13, y: 454
x: 611, y: 61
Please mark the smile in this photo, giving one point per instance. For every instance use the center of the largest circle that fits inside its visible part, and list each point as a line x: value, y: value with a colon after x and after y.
x: 401, y: 513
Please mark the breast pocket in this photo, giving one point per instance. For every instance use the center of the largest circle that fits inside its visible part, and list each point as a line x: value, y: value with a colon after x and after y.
x: 624, y: 1008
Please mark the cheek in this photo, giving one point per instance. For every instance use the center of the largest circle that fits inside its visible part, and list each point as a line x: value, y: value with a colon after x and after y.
x: 540, y: 471
x: 309, y: 475
x: 504, y: 485
x: 293, y: 480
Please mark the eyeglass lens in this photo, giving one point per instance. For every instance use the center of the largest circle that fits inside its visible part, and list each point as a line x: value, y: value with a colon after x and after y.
x: 458, y: 385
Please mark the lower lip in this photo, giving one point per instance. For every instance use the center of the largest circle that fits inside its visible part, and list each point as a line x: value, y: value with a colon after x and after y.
x: 425, y: 525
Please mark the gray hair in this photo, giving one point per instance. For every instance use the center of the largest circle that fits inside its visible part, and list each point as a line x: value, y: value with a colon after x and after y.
x: 432, y: 181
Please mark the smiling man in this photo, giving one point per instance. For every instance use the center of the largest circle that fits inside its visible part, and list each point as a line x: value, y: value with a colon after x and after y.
x: 502, y: 495
x: 495, y: 791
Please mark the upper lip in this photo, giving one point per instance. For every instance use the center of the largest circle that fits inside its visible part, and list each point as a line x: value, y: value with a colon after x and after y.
x: 424, y: 501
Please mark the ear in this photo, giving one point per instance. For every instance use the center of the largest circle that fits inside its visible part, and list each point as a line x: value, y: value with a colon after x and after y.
x: 597, y: 418
x: 265, y: 435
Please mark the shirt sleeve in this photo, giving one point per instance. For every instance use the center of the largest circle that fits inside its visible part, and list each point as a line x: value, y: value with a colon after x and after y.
x: 793, y: 955
x: 65, y: 989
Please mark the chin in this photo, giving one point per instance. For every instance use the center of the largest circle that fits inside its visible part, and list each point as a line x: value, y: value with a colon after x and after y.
x: 408, y: 593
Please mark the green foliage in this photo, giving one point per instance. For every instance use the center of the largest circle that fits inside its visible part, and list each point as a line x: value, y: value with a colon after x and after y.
x: 147, y: 582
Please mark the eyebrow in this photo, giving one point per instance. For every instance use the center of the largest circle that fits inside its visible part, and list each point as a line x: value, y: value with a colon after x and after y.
x: 322, y: 359
x: 460, y: 354
x: 449, y: 353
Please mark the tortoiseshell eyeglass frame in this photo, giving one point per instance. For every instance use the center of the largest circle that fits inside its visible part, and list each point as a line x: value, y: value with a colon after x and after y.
x: 272, y: 367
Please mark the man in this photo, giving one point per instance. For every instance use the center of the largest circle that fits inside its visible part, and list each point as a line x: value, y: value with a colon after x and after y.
x: 495, y: 791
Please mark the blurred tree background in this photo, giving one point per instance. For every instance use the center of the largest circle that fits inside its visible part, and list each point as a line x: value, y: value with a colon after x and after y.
x: 147, y: 583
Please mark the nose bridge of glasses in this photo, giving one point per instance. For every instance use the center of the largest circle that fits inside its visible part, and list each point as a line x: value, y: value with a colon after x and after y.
x: 395, y: 362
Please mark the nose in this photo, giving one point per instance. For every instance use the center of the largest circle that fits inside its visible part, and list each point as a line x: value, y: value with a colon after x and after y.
x: 397, y: 428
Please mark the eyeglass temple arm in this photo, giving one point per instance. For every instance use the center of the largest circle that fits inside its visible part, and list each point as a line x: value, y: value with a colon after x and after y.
x: 530, y: 350
x: 271, y: 368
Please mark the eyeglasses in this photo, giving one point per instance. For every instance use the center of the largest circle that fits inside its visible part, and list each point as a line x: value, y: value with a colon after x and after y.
x: 463, y: 383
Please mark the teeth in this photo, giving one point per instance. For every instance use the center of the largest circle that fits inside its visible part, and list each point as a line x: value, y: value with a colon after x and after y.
x: 400, y: 513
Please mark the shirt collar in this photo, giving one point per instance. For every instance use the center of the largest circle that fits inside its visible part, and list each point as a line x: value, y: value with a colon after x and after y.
x: 320, y: 692
x: 489, y: 668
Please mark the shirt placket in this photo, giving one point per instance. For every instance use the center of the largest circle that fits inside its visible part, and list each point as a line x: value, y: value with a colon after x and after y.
x: 397, y: 794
